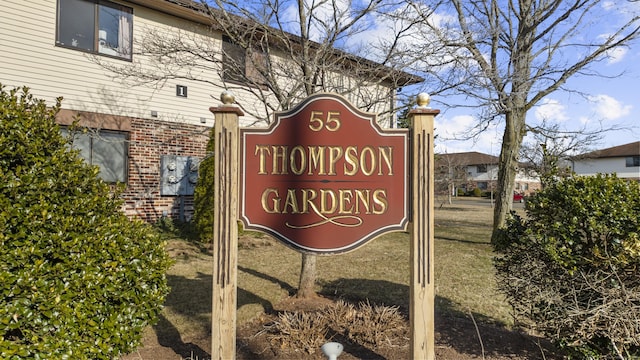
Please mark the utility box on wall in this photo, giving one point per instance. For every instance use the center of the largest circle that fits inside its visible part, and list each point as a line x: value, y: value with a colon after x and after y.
x: 178, y: 174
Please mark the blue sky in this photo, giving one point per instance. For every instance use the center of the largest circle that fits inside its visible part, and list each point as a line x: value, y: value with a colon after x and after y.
x: 602, y: 102
x: 611, y: 102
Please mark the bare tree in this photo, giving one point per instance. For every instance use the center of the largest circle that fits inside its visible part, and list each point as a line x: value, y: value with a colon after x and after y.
x: 274, y: 53
x: 450, y: 172
x: 505, y: 57
x: 548, y: 149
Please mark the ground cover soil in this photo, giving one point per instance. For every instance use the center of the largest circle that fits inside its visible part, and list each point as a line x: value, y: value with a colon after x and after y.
x: 458, y: 336
x: 456, y: 339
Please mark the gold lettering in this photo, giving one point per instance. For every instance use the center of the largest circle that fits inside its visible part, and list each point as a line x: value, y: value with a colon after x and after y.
x: 261, y: 149
x: 385, y: 153
x: 323, y: 160
x: 302, y: 159
x: 316, y: 160
x: 351, y: 158
x: 363, y: 196
x: 335, y: 153
x: 380, y: 199
x: 333, y: 117
x: 324, y: 209
x: 326, y: 201
x: 345, y: 198
x: 308, y: 195
x: 279, y: 152
x: 372, y: 161
x: 270, y: 204
x: 291, y: 202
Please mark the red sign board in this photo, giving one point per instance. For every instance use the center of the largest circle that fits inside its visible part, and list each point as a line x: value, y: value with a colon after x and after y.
x: 324, y: 178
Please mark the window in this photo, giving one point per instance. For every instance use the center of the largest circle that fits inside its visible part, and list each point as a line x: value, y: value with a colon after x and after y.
x: 95, y: 26
x: 482, y: 169
x: 233, y: 62
x: 632, y: 161
x: 106, y: 149
x: 242, y: 65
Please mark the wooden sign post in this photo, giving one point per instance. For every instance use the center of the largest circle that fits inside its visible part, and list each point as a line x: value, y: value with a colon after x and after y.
x: 329, y: 170
x: 225, y: 232
x: 422, y: 297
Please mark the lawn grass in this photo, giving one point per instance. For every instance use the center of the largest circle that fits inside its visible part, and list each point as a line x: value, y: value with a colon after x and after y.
x: 378, y: 272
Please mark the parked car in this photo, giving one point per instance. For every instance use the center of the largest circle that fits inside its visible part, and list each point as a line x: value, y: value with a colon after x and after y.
x: 517, y: 197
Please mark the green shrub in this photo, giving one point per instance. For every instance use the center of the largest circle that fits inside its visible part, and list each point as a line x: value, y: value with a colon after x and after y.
x: 570, y: 267
x: 203, y: 194
x: 78, y: 279
x: 477, y: 192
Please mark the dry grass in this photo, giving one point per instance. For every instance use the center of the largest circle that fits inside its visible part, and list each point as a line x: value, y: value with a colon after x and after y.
x: 377, y: 273
x: 364, y: 324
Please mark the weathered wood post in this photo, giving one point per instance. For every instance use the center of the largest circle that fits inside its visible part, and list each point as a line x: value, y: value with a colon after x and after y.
x: 225, y: 229
x: 422, y: 288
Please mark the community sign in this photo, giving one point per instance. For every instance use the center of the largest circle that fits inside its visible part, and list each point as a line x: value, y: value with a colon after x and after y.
x: 324, y: 177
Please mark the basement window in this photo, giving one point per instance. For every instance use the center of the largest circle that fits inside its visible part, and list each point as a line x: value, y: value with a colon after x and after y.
x: 106, y: 149
x: 95, y: 26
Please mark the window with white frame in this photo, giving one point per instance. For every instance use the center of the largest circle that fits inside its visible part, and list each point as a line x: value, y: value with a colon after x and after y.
x: 95, y: 26
x: 104, y: 148
x: 632, y: 161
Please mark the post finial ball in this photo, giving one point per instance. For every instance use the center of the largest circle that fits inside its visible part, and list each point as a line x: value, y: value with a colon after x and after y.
x: 227, y: 97
x: 423, y: 100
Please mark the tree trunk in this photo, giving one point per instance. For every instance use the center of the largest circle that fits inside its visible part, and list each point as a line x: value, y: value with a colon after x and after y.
x: 306, y: 286
x: 509, y: 153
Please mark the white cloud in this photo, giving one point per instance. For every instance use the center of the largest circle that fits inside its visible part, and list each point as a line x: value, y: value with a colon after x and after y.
x: 452, y: 132
x: 616, y: 55
x: 584, y: 120
x: 608, y: 5
x: 449, y: 128
x: 609, y: 108
x: 550, y: 109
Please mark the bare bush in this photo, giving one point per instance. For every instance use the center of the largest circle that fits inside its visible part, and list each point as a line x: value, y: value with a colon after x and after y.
x: 304, y: 331
x: 365, y: 324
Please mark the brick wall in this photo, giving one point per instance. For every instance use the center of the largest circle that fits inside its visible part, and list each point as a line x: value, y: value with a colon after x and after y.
x: 149, y: 140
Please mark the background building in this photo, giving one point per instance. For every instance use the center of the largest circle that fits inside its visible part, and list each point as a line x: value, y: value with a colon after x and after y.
x: 463, y: 172
x: 149, y: 136
x: 623, y: 160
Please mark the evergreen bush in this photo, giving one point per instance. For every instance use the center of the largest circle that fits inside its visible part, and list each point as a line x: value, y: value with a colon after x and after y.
x: 203, y: 193
x: 570, y: 267
x: 78, y: 279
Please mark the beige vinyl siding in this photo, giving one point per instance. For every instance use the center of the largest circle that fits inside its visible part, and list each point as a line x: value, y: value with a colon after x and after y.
x: 30, y: 58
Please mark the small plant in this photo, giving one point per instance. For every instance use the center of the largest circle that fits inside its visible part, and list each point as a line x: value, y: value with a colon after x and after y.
x: 78, y: 279
x: 364, y: 324
x: 305, y: 331
x: 376, y: 325
x: 569, y: 268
